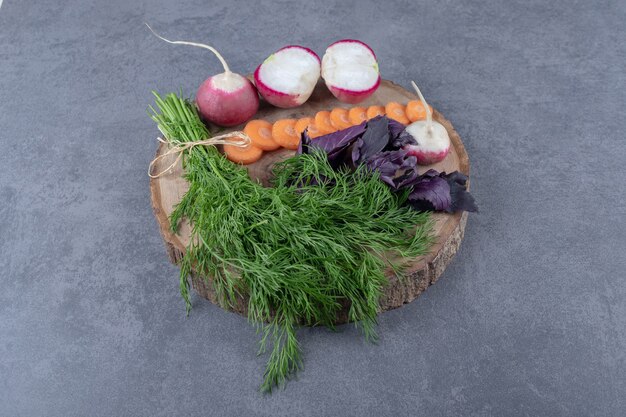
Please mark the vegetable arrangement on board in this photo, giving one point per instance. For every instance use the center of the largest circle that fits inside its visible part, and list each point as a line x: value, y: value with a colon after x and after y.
x: 338, y: 214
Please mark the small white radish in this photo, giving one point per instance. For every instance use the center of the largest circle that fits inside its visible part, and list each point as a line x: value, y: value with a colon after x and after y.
x: 350, y: 70
x: 433, y: 142
x: 226, y: 99
x: 288, y: 76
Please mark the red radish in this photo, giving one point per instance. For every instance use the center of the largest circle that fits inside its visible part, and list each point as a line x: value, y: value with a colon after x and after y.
x: 350, y: 70
x: 433, y: 142
x: 288, y: 76
x: 226, y: 99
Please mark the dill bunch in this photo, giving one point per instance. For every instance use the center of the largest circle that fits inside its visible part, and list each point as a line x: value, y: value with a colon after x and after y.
x: 317, y: 240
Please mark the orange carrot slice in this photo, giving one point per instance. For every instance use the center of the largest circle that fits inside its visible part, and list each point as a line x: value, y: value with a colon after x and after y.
x: 357, y: 115
x: 307, y: 123
x: 314, y: 132
x: 260, y: 132
x: 339, y: 118
x: 302, y: 124
x: 284, y: 133
x: 415, y: 110
x: 395, y: 111
x: 374, y: 111
x: 322, y: 121
x: 245, y: 155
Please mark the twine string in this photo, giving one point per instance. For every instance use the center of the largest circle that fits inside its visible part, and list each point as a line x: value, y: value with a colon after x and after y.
x: 237, y: 138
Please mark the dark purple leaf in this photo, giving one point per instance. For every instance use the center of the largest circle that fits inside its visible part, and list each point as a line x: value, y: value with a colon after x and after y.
x: 398, y: 136
x: 395, y: 128
x: 356, y: 151
x: 335, y: 142
x: 395, y: 167
x: 456, y: 177
x: 375, y: 138
x: 462, y: 200
x: 431, y: 193
x: 407, y: 178
x: 458, y: 198
x: 305, y: 140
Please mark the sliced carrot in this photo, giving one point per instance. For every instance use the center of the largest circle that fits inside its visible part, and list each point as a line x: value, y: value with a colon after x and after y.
x: 245, y: 155
x: 314, y: 132
x: 415, y: 110
x: 284, y: 133
x: 357, y: 115
x: 307, y: 123
x: 339, y: 118
x: 395, y: 111
x: 260, y: 132
x: 374, y: 111
x: 322, y: 121
x: 302, y: 124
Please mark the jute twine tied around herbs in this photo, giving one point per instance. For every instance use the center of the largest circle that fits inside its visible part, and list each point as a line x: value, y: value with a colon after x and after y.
x: 237, y: 138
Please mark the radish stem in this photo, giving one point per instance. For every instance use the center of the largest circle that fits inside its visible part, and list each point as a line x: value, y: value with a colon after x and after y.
x: 429, y: 115
x: 199, y: 45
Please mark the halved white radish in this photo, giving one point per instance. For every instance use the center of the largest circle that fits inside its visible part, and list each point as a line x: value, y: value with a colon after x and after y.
x: 288, y: 76
x: 350, y: 70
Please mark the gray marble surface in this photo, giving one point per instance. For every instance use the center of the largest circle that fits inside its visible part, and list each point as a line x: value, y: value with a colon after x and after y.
x: 528, y: 320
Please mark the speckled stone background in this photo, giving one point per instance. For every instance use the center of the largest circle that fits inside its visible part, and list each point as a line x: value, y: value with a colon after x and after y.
x: 528, y: 320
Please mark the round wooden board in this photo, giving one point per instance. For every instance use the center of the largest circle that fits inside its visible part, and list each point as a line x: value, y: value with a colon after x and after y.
x: 167, y: 190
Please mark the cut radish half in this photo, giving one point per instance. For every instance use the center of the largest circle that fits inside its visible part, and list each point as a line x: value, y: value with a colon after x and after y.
x: 288, y: 76
x: 350, y: 70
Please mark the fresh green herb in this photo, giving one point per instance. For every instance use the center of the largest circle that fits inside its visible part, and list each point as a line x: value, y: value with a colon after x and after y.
x: 317, y: 240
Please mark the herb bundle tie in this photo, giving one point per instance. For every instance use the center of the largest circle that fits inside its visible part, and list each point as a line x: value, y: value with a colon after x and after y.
x: 237, y: 138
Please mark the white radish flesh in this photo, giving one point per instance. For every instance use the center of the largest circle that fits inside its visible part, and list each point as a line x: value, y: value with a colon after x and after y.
x: 288, y: 76
x: 350, y: 70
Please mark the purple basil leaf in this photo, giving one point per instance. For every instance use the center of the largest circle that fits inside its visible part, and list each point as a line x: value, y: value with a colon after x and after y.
x: 375, y: 138
x: 305, y: 140
x: 402, y: 140
x: 456, y: 177
x: 462, y: 200
x: 395, y: 128
x: 387, y: 180
x: 409, y: 162
x: 431, y: 193
x: 398, y: 136
x: 356, y: 151
x: 406, y: 179
x: 394, y: 158
x: 391, y: 165
x: 335, y: 142
x: 431, y: 173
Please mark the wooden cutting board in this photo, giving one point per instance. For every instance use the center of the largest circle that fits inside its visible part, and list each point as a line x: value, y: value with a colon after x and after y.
x: 167, y: 190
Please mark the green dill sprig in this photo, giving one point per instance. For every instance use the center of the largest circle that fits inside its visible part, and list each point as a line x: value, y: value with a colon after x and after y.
x: 317, y: 240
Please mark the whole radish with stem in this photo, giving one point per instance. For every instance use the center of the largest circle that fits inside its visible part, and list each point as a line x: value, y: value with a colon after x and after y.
x: 226, y: 99
x: 433, y: 141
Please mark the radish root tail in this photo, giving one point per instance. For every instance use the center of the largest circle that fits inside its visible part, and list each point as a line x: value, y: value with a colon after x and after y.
x: 199, y: 45
x: 429, y: 115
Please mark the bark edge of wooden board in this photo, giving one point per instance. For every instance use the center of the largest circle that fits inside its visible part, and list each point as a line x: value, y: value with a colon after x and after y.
x: 422, y: 272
